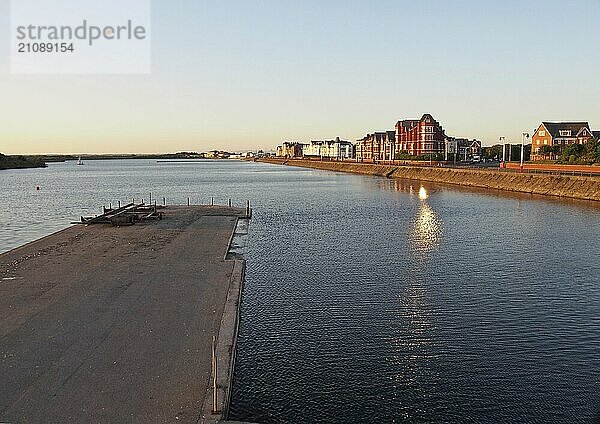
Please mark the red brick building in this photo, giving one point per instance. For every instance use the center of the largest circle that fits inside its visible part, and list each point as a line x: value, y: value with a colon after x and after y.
x: 420, y: 136
x: 557, y: 135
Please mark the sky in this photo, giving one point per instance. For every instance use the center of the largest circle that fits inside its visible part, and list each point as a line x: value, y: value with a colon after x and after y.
x: 243, y: 75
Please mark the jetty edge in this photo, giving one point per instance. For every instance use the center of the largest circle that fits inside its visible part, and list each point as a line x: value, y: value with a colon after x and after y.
x: 568, y: 186
x: 101, y: 323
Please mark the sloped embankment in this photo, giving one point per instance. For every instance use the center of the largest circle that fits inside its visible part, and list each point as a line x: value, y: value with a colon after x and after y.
x: 576, y: 187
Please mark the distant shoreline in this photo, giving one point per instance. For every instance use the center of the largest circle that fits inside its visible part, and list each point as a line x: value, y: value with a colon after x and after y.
x: 41, y: 161
x: 20, y: 162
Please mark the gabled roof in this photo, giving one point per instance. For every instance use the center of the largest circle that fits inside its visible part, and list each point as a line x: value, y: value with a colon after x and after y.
x: 596, y: 134
x: 408, y: 123
x: 554, y: 128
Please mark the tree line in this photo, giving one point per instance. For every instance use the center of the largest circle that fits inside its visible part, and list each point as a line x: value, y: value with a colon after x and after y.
x: 20, y: 162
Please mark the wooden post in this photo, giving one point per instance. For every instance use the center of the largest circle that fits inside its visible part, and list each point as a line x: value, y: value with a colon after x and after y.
x: 229, y: 202
x: 119, y: 204
x: 214, y: 374
x: 110, y: 205
x: 212, y: 201
x: 150, y: 197
x: 247, y: 208
x: 188, y: 201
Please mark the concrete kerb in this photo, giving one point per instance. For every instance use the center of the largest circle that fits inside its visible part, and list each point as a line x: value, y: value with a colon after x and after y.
x: 226, y: 345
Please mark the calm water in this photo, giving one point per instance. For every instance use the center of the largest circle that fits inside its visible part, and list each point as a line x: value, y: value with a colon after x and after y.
x: 369, y: 299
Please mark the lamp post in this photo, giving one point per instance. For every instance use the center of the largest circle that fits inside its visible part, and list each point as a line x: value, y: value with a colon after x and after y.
x: 503, y: 142
x: 524, y: 136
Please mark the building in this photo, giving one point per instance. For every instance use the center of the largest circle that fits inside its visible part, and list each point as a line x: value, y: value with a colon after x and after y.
x: 336, y: 149
x: 217, y: 154
x: 466, y: 149
x: 420, y: 136
x: 290, y: 149
x: 377, y: 146
x: 557, y: 135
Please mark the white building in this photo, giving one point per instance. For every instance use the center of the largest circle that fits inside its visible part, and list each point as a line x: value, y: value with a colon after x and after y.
x: 337, y: 149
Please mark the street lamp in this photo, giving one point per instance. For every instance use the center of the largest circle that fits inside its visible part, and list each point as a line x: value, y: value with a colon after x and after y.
x: 524, y: 136
x: 503, y: 142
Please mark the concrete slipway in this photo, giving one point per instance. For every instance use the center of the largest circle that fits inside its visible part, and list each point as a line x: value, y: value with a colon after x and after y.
x: 115, y: 324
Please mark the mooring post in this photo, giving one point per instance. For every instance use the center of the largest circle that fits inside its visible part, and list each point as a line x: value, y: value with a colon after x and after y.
x: 164, y: 201
x: 248, y: 208
x: 229, y: 202
x: 212, y: 201
x: 119, y: 204
x: 150, y: 197
x: 188, y: 201
x: 214, y: 373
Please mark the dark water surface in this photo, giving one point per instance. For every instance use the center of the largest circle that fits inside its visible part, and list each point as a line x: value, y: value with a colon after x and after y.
x: 374, y: 300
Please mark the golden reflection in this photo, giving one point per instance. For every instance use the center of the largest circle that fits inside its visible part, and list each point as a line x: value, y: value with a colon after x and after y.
x: 427, y: 229
x: 422, y: 193
x: 413, y: 340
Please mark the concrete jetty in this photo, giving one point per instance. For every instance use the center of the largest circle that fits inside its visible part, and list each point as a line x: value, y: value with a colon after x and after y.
x: 116, y: 324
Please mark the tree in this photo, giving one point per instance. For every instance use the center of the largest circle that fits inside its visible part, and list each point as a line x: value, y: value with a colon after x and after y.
x: 572, y: 153
x: 546, y: 150
x: 591, y: 153
x: 493, y: 152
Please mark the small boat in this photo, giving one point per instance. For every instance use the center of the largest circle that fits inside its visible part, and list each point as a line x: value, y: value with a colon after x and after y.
x: 79, y: 161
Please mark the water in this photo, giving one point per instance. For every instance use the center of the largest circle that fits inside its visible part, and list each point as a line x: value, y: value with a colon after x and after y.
x: 374, y: 300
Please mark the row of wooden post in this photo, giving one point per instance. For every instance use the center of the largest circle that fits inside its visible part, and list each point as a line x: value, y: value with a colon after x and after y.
x: 164, y: 202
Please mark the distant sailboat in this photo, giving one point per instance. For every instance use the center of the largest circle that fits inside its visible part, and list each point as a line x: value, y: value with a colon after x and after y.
x: 79, y: 161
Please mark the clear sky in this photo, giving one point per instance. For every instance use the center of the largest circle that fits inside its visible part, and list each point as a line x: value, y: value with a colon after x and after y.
x: 249, y: 74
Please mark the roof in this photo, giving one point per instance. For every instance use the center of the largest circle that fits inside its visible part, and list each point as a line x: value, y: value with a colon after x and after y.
x: 408, y: 123
x: 554, y: 128
x: 596, y: 134
x: 379, y: 136
x: 337, y: 140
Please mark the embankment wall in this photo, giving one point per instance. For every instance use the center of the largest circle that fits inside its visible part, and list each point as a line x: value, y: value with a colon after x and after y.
x: 577, y: 187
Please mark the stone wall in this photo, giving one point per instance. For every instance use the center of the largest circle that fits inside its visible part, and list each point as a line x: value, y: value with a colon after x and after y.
x: 577, y: 187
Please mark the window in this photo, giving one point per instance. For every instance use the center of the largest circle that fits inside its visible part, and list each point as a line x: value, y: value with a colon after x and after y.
x: 542, y: 133
x: 565, y: 133
x: 546, y: 141
x: 428, y: 129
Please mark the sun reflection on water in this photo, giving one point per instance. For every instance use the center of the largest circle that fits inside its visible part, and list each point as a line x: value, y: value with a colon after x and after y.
x: 427, y: 229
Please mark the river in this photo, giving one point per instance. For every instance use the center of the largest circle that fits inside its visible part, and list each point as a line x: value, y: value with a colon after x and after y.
x: 376, y: 300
